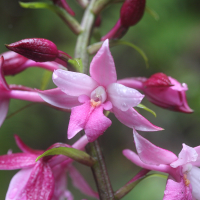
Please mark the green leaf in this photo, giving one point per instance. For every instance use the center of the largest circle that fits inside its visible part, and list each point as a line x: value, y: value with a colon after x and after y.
x: 145, y: 108
x: 153, y: 13
x: 45, y: 80
x: 77, y: 64
x: 96, y: 46
x: 38, y: 5
x: 75, y: 154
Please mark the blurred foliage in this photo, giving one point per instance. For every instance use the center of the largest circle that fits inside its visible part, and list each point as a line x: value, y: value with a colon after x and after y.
x: 172, y: 45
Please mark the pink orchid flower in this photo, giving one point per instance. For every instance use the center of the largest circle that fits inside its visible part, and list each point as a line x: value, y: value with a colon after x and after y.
x: 87, y: 97
x: 161, y: 90
x: 183, y: 182
x: 6, y: 94
x: 44, y: 179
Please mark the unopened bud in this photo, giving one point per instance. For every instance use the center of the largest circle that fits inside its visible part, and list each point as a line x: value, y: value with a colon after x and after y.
x: 63, y: 4
x: 13, y: 63
x: 131, y: 12
x: 37, y: 49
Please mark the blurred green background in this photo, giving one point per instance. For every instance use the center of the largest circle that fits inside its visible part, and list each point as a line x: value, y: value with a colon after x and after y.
x: 172, y: 45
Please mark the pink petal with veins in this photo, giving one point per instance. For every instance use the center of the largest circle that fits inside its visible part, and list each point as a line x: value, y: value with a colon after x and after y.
x: 80, y: 183
x: 133, y: 119
x: 74, y: 83
x: 59, y: 99
x: 17, y: 185
x: 187, y: 155
x: 151, y: 154
x: 97, y: 124
x: 4, y: 103
x: 41, y: 183
x: 177, y: 190
x: 25, y: 148
x: 102, y: 67
x: 123, y: 97
x: 17, y: 161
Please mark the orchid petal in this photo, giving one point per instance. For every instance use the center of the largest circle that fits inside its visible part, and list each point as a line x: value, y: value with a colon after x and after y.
x: 123, y: 97
x: 59, y: 99
x: 133, y: 119
x: 177, y: 85
x: 102, y: 67
x: 197, y: 162
x: 78, y: 119
x: 4, y: 103
x: 187, y: 155
x: 96, y: 124
x: 74, y: 83
x: 41, y: 183
x: 80, y: 183
x: 25, y: 148
x: 18, y: 184
x: 177, y: 190
x: 3, y: 83
x: 17, y: 161
x: 151, y: 154
x: 193, y: 176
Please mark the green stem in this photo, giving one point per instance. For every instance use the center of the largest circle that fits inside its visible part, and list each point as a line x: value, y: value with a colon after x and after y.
x: 99, y: 169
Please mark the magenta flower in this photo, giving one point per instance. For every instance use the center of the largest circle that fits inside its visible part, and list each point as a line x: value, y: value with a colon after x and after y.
x: 183, y: 182
x: 87, y: 97
x: 161, y: 90
x: 45, y: 179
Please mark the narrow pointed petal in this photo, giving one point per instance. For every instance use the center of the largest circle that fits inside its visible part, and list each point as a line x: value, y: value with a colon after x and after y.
x: 96, y: 124
x: 123, y: 97
x: 133, y: 119
x: 177, y: 190
x: 78, y: 119
x: 17, y: 161
x: 187, y: 155
x: 102, y: 67
x: 80, y: 183
x: 193, y: 176
x: 25, y: 148
x: 18, y: 184
x: 59, y: 99
x: 4, y: 103
x: 3, y: 83
x: 151, y: 154
x: 40, y: 184
x: 74, y: 83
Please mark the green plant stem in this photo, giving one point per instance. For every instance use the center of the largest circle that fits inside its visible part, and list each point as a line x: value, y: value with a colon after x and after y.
x: 99, y: 169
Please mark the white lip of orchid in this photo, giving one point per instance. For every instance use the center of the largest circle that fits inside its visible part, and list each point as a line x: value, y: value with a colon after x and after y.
x: 187, y: 168
x: 98, y: 96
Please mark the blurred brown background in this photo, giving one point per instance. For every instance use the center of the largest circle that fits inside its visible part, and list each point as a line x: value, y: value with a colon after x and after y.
x: 172, y: 45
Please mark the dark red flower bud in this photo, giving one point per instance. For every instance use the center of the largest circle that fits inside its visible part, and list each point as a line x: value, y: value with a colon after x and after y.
x: 158, y: 80
x: 13, y: 63
x: 131, y: 12
x: 97, y: 21
x: 63, y: 4
x: 37, y: 49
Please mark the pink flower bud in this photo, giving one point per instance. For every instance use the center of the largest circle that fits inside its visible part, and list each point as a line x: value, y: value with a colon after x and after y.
x: 37, y: 49
x: 131, y: 12
x: 63, y: 4
x: 166, y: 92
x: 13, y: 63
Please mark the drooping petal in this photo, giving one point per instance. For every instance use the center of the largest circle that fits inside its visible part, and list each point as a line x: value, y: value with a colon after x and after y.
x: 133, y: 119
x: 74, y: 83
x: 18, y: 184
x: 97, y: 124
x: 25, y: 148
x: 177, y: 190
x: 78, y: 119
x: 17, y: 161
x: 151, y: 154
x: 59, y: 99
x: 80, y: 183
x: 41, y: 183
x: 123, y: 97
x: 193, y: 176
x: 187, y: 155
x: 4, y: 103
x: 102, y: 67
